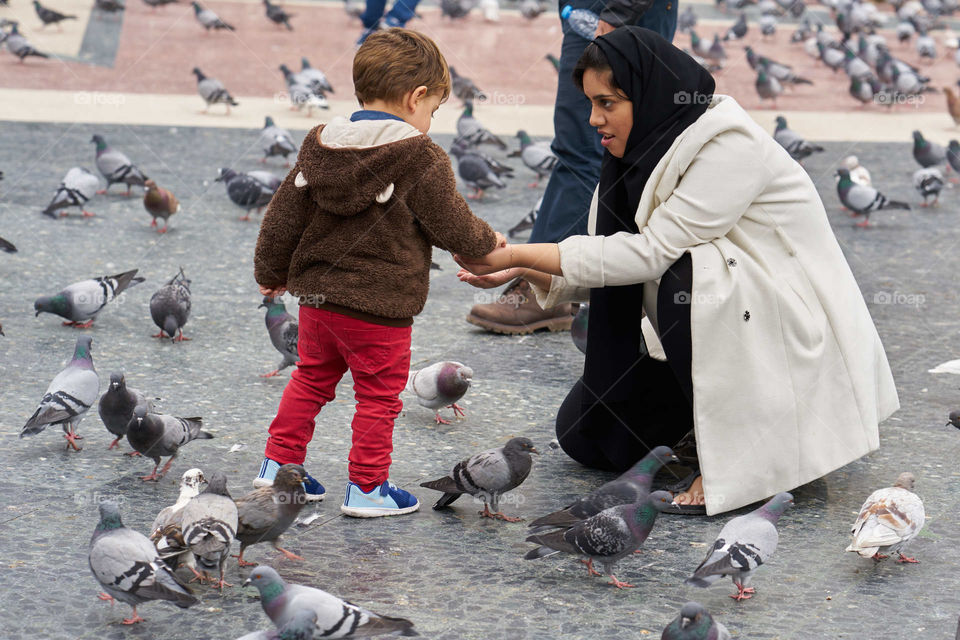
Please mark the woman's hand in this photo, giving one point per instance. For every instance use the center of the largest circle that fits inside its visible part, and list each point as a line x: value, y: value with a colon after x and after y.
x: 497, y: 260
x: 489, y: 281
x: 603, y: 28
x: 273, y: 292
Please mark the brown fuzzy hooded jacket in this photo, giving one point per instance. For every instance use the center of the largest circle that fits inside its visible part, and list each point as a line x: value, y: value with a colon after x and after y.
x: 352, y: 226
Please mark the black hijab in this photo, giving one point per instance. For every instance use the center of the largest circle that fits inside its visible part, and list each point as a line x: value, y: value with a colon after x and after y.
x: 669, y: 91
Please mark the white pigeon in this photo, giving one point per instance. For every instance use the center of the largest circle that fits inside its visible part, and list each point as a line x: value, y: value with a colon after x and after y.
x: 167, y: 530
x: 190, y: 483
x: 858, y: 172
x: 76, y: 188
x: 888, y: 520
x: 441, y: 385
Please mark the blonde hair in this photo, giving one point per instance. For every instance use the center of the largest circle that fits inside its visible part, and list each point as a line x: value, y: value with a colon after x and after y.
x: 392, y: 62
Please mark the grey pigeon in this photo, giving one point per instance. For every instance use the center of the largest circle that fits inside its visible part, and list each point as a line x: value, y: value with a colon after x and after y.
x: 606, y: 537
x: 531, y: 9
x: 768, y: 87
x: 909, y: 83
x: 716, y: 51
x: 782, y: 72
x: 302, y: 625
x: 476, y: 171
x: 861, y: 199
x: 157, y: 434
x: 277, y: 15
x: 744, y: 543
x: 632, y: 486
x: 208, y: 19
x: 6, y: 246
x: 796, y: 146
x: 166, y: 533
x: 687, y: 20
x: 471, y: 132
x: 153, y: 4
x: 314, y: 76
x: 953, y: 419
x: 18, y: 45
x: 109, y: 6
x: 116, y: 167
x: 303, y: 91
x: 699, y: 47
x: 738, y: 30
x: 455, y: 9
x: 284, y: 332
x: 888, y: 520
x: 928, y: 182
x: 926, y: 153
x: 116, y: 407
x: 441, y: 385
x: 80, y: 302
x: 209, y: 526
x: 528, y: 221
x: 251, y: 190
x: 537, y: 156
x: 127, y: 566
x: 855, y: 67
x: 276, y: 141
x: 487, y: 476
x: 49, y: 16
x: 265, y: 513
x: 77, y: 187
x: 464, y: 88
x: 68, y: 397
x: 170, y: 307
x: 926, y: 47
x: 832, y: 57
x: 768, y: 25
x: 286, y: 603
x: 695, y: 623
x: 213, y: 92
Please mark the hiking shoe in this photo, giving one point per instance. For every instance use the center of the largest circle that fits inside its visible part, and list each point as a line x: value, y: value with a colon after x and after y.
x: 516, y: 312
x: 385, y: 500
x: 268, y: 471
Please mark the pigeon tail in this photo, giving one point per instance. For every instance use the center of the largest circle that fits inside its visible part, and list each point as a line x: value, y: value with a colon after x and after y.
x: 445, y: 484
x: 896, y: 204
x: 554, y: 540
x: 540, y: 552
x: 562, y: 518
x: 446, y: 500
x: 703, y: 583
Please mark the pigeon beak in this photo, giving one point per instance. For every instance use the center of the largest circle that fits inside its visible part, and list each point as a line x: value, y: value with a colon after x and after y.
x: 673, y: 458
x: 534, y: 450
x: 246, y: 583
x: 37, y: 313
x: 261, y: 305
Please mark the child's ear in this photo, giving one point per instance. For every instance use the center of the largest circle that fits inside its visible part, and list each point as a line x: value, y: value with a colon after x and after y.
x: 417, y: 95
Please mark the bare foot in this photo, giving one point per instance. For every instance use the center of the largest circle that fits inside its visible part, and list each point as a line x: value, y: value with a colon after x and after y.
x: 693, y: 495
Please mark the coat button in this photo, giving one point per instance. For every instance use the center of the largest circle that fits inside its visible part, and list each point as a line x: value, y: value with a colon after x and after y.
x: 731, y: 262
x: 746, y: 316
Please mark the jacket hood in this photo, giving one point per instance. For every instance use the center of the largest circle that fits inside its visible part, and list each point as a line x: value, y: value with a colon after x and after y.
x: 354, y: 164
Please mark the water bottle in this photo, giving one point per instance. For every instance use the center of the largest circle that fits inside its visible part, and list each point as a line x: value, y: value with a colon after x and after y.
x: 582, y: 21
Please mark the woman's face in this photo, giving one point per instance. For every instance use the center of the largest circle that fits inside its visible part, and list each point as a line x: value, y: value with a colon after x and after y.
x: 611, y: 113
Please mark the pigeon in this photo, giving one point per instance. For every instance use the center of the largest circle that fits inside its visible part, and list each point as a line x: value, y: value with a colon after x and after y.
x: 744, y: 543
x: 554, y: 60
x: 68, y: 397
x: 858, y: 172
x: 783, y: 73
x: 166, y: 533
x: 284, y: 331
x: 716, y: 51
x: 49, y: 16
x: 276, y: 141
x: 926, y: 153
x: 768, y: 25
x: 909, y: 83
x: 687, y: 20
x: 905, y: 31
x: 867, y: 90
x: 631, y: 487
x: 476, y: 171
x: 455, y: 9
x: 531, y: 9
x: 464, y: 88
x: 738, y: 30
x: 18, y: 45
x: 833, y: 58
x: 537, y: 156
x: 265, y: 513
x: 116, y: 167
x: 928, y: 182
x: 153, y: 4
x: 926, y: 47
x: 127, y: 566
x: 861, y: 200
x: 606, y: 537
x: 698, y: 46
x: 109, y: 6
x: 526, y: 224
x: 213, y: 92
x: 303, y: 92
x: 314, y: 77
x: 888, y: 520
x: 6, y: 246
x: 440, y: 385
x: 953, y: 156
x: 354, y: 8
x: 251, y: 190
x: 953, y: 104
x: 170, y: 307
x: 578, y: 329
x: 80, y: 302
x: 797, y: 147
x: 286, y: 604
x: 209, y: 526
x: 487, y: 476
x: 158, y: 434
x: 854, y: 66
x: 116, y: 407
x: 208, y: 19
x: 159, y: 203
x: 954, y: 419
x: 695, y: 623
x: 471, y: 133
x: 277, y: 15
x: 768, y: 87
x: 77, y: 187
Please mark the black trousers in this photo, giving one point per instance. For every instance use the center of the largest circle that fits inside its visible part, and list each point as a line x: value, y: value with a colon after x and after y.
x: 613, y: 436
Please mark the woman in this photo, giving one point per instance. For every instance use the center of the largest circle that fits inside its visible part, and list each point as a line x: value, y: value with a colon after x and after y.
x: 706, y: 228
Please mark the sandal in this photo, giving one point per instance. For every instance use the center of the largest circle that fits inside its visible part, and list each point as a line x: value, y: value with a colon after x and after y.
x: 680, y: 487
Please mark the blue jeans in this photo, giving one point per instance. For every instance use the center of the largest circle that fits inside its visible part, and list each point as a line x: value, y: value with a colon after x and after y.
x: 566, y: 201
x: 401, y: 12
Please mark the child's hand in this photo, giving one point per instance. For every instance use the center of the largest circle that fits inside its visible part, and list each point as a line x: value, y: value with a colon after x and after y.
x: 497, y: 260
x: 273, y: 292
x: 501, y: 239
x: 489, y: 281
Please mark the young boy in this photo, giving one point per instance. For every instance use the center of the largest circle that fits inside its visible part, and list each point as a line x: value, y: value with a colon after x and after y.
x: 349, y: 232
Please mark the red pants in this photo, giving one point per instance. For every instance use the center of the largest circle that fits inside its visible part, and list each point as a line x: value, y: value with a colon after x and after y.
x: 379, y: 360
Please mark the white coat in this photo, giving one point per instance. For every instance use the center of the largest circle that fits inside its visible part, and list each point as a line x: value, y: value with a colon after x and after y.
x: 790, y: 380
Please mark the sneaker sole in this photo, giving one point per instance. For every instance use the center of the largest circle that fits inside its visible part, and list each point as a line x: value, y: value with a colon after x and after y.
x: 260, y: 483
x: 373, y: 512
x: 559, y: 323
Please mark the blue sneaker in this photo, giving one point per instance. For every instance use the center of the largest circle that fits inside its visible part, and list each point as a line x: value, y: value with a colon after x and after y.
x: 368, y: 32
x: 268, y: 471
x: 385, y: 500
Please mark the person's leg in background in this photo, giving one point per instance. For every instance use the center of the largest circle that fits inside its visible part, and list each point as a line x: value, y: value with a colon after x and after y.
x: 401, y: 12
x: 662, y: 18
x: 371, y: 18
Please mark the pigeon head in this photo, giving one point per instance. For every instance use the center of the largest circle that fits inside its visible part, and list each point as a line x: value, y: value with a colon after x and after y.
x: 851, y: 163
x: 58, y: 305
x: 905, y: 481
x: 109, y: 516
x: 776, y: 506
x: 197, y: 72
x: 150, y: 185
x: 468, y: 108
x: 954, y: 419
x: 268, y: 582
x: 454, y: 379
x: 843, y: 174
x: 196, y: 7
x: 953, y: 145
x: 139, y: 413
x: 286, y: 71
x: 289, y: 476
x: 304, y: 63
x: 101, y: 143
x: 918, y: 137
x: 171, y: 326
x: 217, y: 483
x: 520, y: 445
x: 271, y: 304
x: 268, y: 122
x: 646, y: 511
x: 651, y: 463
x: 691, y: 614
x: 224, y: 174
x: 192, y: 478
x: 781, y: 123
x: 523, y: 136
x: 117, y: 382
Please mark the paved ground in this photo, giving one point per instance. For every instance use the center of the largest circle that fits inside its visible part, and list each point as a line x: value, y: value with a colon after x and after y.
x: 455, y: 575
